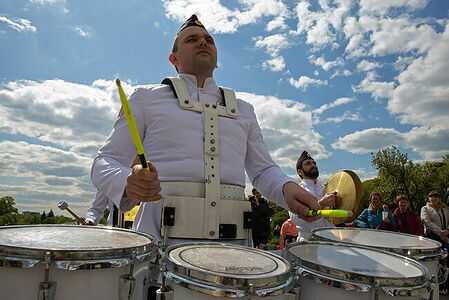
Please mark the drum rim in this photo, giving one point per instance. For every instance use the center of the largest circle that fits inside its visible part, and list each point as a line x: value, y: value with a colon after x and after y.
x: 240, y: 284
x: 75, y: 259
x: 354, y: 277
x: 415, y: 253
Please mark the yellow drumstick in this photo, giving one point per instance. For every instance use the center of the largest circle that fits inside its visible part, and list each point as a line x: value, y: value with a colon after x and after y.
x: 132, y: 126
x: 332, y: 213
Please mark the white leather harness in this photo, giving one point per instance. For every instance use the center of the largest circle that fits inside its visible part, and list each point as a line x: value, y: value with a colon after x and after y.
x: 197, y: 210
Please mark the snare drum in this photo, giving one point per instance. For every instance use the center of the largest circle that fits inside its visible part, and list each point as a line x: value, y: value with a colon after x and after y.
x: 419, y: 248
x: 340, y: 272
x: 74, y: 262
x: 199, y: 271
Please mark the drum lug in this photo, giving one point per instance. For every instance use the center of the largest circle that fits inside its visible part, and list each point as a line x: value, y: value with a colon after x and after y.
x: 164, y: 294
x: 47, y: 290
x: 128, y: 282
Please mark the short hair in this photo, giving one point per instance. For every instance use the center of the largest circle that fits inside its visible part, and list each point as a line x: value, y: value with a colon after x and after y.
x: 374, y: 194
x: 401, y: 197
x: 253, y: 190
x: 434, y: 194
x: 175, y: 43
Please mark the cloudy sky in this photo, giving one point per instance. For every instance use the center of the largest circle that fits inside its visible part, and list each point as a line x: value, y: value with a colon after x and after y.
x: 339, y: 78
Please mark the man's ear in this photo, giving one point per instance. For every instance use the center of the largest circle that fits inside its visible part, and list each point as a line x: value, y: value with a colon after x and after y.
x: 172, y: 58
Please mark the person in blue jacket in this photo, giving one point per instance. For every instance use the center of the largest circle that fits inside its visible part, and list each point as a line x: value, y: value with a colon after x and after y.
x: 375, y: 216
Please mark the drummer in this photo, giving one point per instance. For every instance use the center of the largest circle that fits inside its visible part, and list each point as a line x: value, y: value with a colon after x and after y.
x: 174, y: 137
x: 308, y: 170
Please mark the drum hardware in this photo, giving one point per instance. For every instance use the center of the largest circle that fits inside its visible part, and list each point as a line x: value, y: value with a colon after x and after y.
x: 127, y: 281
x: 164, y: 292
x: 228, y: 231
x: 47, y: 289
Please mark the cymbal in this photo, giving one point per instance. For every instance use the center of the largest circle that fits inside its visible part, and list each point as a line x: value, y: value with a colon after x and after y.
x: 349, y: 194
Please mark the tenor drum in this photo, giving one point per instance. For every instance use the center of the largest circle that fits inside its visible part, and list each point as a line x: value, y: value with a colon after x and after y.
x: 419, y: 248
x: 75, y: 262
x: 328, y: 270
x: 202, y: 271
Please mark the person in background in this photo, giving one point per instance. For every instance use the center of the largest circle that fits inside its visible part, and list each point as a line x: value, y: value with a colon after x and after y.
x: 289, y: 233
x: 262, y: 212
x: 277, y: 231
x: 436, y: 219
x: 375, y: 216
x: 406, y: 219
x: 307, y: 169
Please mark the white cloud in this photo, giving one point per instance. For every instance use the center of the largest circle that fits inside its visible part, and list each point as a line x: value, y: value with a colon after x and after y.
x: 275, y: 64
x: 46, y: 1
x: 217, y: 18
x: 369, y: 140
x: 347, y: 116
x: 277, y: 23
x: 59, y: 112
x: 338, y: 102
x: 382, y: 7
x: 377, y: 89
x: 287, y: 128
x: 304, y: 82
x: 326, y: 65
x: 344, y: 73
x: 366, y: 65
x: 81, y: 31
x: 19, y: 24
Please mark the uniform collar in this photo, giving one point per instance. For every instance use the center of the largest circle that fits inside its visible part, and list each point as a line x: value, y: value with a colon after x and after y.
x: 191, y: 82
x: 310, y: 181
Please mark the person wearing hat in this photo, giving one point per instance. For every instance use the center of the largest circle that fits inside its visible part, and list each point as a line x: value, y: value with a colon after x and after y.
x: 308, y: 171
x: 436, y: 219
x: 200, y: 140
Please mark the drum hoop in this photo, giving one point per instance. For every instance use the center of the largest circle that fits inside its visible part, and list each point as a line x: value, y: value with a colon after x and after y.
x: 354, y: 277
x: 211, y: 278
x: 415, y: 253
x: 75, y: 259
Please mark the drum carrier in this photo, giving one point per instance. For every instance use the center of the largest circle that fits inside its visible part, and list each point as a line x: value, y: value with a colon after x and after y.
x: 226, y: 214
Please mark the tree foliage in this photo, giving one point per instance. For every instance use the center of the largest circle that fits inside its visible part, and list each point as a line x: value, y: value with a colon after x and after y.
x: 399, y: 175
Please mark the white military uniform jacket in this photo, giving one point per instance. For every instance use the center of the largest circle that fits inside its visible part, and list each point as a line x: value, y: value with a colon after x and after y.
x: 173, y: 141
x: 96, y: 210
x: 305, y: 228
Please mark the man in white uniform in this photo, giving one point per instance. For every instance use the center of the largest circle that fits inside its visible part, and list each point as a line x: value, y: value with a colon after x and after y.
x: 174, y: 137
x: 308, y: 171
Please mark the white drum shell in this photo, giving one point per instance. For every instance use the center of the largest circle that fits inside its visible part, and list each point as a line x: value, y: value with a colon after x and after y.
x: 98, y: 284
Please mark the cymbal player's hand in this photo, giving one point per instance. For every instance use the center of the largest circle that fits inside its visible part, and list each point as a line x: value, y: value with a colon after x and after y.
x: 300, y: 201
x: 328, y: 200
x: 143, y: 185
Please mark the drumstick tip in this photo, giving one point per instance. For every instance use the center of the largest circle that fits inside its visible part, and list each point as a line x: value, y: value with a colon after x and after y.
x: 117, y: 81
x: 350, y: 213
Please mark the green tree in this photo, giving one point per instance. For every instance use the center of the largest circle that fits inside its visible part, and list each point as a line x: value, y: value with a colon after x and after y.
x: 7, y: 206
x: 50, y: 214
x: 43, y: 217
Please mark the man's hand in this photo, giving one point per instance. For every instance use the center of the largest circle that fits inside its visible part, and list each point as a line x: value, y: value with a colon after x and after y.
x: 142, y: 185
x: 88, y: 222
x: 328, y: 200
x: 444, y: 234
x: 300, y: 201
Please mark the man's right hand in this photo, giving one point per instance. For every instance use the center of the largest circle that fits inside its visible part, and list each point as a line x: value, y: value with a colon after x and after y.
x: 328, y: 200
x: 143, y: 185
x: 300, y: 201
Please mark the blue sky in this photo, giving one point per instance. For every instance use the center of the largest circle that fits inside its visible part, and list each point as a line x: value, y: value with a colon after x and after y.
x: 340, y: 79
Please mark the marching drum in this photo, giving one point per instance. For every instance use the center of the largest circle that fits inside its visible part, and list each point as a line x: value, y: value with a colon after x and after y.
x: 193, y: 271
x: 419, y: 248
x: 75, y: 262
x: 328, y: 270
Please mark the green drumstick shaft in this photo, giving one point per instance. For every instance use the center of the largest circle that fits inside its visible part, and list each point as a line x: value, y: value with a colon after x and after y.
x: 332, y: 213
x: 132, y: 126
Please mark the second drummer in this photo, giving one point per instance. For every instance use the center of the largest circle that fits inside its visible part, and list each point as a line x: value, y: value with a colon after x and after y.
x: 308, y: 171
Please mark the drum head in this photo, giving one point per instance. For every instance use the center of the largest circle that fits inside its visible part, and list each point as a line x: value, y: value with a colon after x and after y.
x: 73, y: 243
x: 216, y: 264
x: 401, y: 243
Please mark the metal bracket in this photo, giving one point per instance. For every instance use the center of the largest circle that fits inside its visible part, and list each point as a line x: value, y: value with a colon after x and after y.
x: 169, y: 216
x: 127, y: 282
x: 47, y: 289
x: 228, y: 231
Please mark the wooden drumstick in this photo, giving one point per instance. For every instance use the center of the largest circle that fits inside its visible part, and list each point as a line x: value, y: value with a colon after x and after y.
x: 64, y: 205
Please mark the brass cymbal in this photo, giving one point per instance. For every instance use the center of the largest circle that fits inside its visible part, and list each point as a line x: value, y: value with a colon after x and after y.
x: 349, y: 194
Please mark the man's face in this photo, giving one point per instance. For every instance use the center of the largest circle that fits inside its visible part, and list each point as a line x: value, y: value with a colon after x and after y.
x: 196, y: 54
x: 309, y: 170
x: 257, y: 195
x: 375, y: 201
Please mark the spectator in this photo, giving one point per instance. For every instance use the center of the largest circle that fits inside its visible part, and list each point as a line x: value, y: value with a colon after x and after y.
x: 407, y: 220
x: 375, y: 216
x: 289, y: 233
x: 262, y: 212
x: 277, y: 231
x: 435, y: 218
